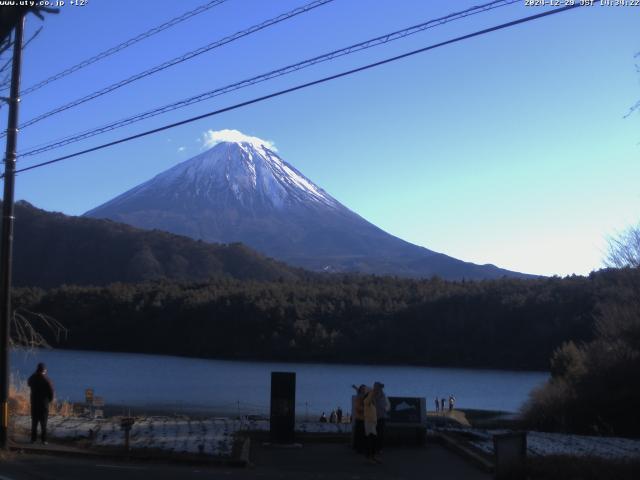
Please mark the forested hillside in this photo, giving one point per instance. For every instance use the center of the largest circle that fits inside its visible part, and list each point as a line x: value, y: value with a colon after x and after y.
x: 52, y: 249
x: 508, y: 323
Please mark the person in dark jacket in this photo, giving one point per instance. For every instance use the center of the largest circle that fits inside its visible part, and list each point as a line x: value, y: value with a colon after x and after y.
x: 41, y: 396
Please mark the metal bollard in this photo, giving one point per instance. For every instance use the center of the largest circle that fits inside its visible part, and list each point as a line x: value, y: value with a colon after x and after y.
x: 511, y: 454
x: 125, y: 424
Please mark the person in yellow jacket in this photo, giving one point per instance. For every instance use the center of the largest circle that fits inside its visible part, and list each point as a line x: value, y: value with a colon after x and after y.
x: 370, y: 422
x: 358, y: 418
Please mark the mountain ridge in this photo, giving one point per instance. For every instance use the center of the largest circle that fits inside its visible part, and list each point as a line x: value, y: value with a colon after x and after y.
x: 52, y: 249
x: 242, y: 191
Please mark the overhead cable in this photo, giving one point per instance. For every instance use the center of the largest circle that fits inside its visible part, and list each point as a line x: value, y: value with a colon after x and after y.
x: 176, y: 61
x: 269, y: 75
x: 123, y: 45
x: 304, y: 85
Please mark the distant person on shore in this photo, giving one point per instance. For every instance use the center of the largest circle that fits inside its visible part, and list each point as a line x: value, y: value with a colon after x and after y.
x: 332, y: 417
x: 382, y: 407
x: 339, y: 415
x: 41, y: 395
x: 452, y: 401
x: 442, y: 405
x: 370, y: 426
x: 437, y: 402
x: 323, y: 418
x: 358, y: 418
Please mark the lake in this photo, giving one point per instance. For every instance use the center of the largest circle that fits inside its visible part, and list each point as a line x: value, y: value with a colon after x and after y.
x: 220, y: 387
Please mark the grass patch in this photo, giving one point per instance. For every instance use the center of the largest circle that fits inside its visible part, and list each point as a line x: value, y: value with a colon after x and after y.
x: 488, y: 419
x: 492, y: 419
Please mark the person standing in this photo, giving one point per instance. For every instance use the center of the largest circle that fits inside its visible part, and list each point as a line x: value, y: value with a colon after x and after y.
x: 339, y: 415
x: 41, y: 395
x: 370, y: 426
x: 382, y: 407
x: 452, y: 401
x: 358, y: 418
x: 332, y: 417
x: 442, y: 405
x: 437, y: 404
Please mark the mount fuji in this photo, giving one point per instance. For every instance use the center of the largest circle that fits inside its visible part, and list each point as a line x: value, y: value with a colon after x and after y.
x: 240, y: 190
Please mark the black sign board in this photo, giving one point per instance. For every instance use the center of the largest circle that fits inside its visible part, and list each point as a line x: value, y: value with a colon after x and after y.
x: 407, y: 410
x: 283, y: 406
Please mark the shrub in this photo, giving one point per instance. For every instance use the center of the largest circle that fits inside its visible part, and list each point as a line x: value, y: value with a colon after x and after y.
x: 595, y: 387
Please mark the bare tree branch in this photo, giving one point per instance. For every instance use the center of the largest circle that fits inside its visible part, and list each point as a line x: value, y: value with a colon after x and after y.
x: 27, y: 329
x: 624, y: 249
x: 635, y: 107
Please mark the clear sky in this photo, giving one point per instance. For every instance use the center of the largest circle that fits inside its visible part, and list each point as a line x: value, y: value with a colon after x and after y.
x: 511, y: 148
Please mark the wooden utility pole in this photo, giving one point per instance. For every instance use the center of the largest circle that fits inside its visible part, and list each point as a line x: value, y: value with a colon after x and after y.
x: 6, y: 249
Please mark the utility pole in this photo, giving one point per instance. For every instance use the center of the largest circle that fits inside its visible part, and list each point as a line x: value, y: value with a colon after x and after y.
x: 6, y: 250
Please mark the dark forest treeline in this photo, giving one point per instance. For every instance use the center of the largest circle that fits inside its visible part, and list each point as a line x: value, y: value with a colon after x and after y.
x: 506, y: 324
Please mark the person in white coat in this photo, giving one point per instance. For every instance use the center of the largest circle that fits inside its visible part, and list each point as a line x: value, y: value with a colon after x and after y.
x: 382, y: 407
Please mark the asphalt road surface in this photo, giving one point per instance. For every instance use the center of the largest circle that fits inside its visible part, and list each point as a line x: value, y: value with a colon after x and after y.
x: 311, y: 461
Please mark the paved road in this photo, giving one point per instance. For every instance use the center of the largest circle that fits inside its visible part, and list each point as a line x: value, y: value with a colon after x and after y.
x: 40, y: 467
x: 337, y: 461
x: 312, y: 461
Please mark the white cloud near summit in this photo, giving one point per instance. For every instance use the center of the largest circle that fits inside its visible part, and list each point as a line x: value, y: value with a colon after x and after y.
x: 213, y: 137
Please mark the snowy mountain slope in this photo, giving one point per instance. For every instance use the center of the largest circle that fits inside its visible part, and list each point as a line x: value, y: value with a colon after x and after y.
x: 242, y: 191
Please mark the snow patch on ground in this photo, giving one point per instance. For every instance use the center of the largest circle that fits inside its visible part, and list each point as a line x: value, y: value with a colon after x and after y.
x: 302, y: 427
x: 215, y: 436
x: 212, y: 436
x: 543, y: 444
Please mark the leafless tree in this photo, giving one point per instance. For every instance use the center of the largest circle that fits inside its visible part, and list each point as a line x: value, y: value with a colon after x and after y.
x: 28, y: 329
x: 624, y: 249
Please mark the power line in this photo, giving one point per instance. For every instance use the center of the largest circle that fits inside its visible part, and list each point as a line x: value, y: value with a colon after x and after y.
x: 123, y: 45
x: 270, y: 75
x: 7, y: 82
x: 304, y: 85
x: 178, y: 60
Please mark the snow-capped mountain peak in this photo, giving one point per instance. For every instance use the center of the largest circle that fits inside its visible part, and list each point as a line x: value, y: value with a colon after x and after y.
x: 212, y: 137
x: 240, y: 189
x: 237, y: 169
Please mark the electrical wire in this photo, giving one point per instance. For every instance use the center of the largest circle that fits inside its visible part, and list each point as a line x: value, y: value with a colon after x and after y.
x: 177, y: 60
x: 305, y: 85
x: 5, y: 83
x: 123, y: 45
x: 270, y: 75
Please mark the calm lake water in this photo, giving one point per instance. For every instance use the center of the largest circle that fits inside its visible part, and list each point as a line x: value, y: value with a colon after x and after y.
x: 181, y: 385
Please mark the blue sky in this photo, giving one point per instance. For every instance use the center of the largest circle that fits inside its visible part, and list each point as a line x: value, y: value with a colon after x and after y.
x: 511, y: 148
